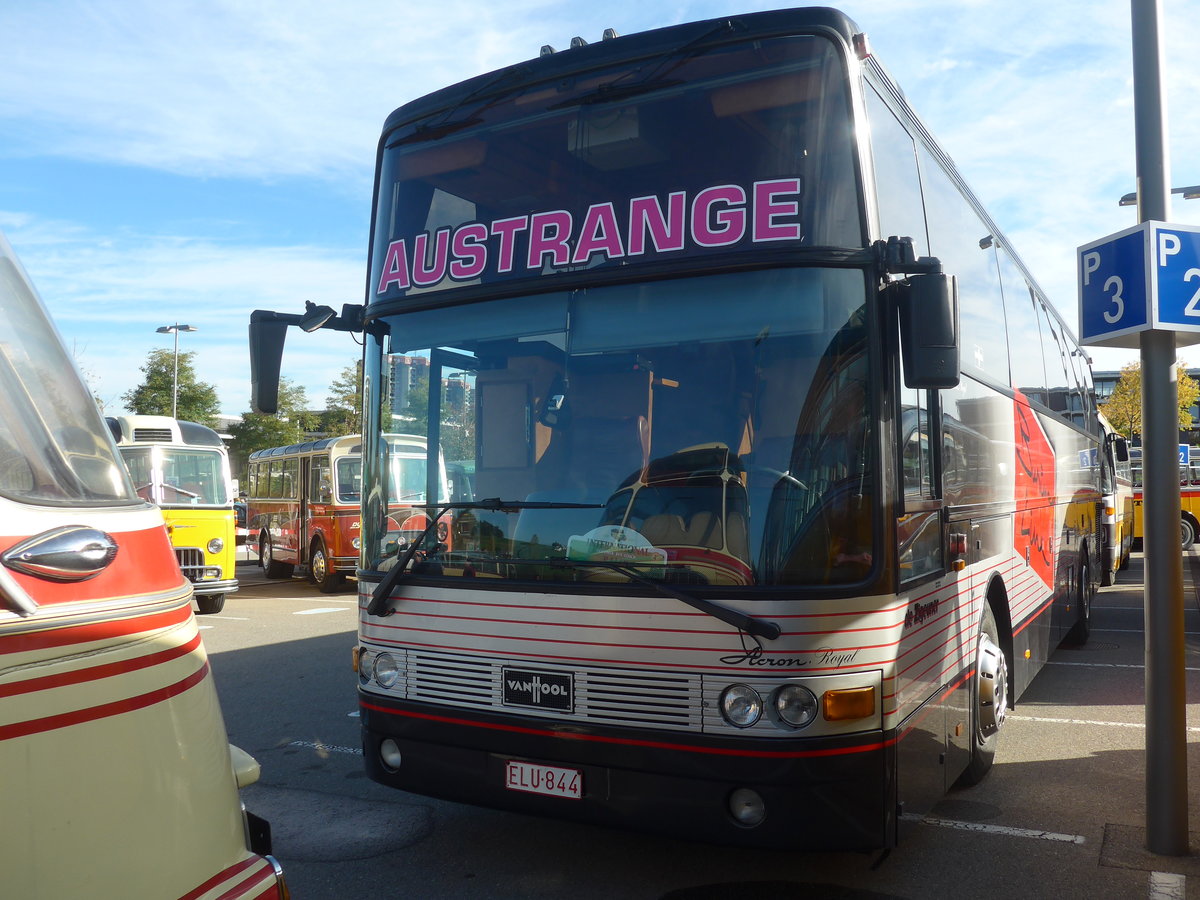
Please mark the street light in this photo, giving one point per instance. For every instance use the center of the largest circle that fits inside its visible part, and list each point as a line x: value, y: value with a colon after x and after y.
x: 175, y: 329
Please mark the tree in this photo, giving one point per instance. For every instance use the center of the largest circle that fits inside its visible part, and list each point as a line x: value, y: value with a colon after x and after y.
x: 197, y: 400
x: 258, y: 431
x: 1124, y: 405
x: 343, y: 407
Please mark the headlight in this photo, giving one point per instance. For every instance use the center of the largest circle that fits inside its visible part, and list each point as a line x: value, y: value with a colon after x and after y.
x: 356, y: 544
x: 365, y: 663
x: 216, y: 545
x: 741, y: 706
x: 796, y: 705
x: 385, y: 669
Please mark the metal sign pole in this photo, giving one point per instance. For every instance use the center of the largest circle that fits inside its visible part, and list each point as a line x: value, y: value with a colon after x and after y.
x: 1166, y: 696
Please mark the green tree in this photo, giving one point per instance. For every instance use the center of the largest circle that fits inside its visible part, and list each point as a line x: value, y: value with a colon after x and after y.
x: 258, y: 431
x: 197, y: 400
x: 344, y: 403
x: 1124, y: 405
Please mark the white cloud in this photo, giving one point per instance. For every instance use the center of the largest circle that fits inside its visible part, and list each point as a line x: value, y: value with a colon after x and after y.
x: 108, y: 295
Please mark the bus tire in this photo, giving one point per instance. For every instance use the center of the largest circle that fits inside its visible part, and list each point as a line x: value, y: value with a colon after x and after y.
x: 989, y: 700
x: 319, y: 571
x: 1082, y: 629
x: 1108, y: 570
x: 210, y: 604
x: 272, y: 567
x: 1187, y: 533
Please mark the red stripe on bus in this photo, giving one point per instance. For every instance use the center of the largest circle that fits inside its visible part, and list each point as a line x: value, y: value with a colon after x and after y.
x: 66, y: 635
x: 233, y: 872
x: 95, y: 673
x: 634, y: 742
x: 104, y: 710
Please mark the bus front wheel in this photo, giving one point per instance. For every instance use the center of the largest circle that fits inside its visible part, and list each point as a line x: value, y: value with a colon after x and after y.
x: 1187, y: 534
x: 321, y: 572
x: 272, y: 567
x: 210, y: 604
x: 989, y: 700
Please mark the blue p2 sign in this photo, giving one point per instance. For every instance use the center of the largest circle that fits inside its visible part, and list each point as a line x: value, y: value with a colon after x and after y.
x: 1146, y: 277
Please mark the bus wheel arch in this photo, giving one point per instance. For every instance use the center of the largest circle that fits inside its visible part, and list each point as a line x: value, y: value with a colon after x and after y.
x: 990, y: 689
x: 320, y: 571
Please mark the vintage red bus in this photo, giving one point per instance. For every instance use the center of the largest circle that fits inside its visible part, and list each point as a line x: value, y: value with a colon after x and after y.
x: 302, y: 509
x: 118, y: 777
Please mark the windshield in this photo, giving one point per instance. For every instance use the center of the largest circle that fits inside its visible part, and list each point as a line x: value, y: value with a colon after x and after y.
x: 349, y: 479
x: 709, y: 430
x: 175, y: 476
x: 54, y: 446
x: 677, y: 159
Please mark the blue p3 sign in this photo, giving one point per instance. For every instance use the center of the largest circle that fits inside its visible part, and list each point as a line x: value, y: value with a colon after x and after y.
x: 1146, y: 277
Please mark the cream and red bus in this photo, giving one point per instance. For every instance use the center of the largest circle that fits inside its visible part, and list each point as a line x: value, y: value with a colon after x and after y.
x: 302, y: 509
x: 780, y: 492
x: 118, y: 778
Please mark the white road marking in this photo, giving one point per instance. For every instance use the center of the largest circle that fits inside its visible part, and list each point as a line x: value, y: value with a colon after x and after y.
x: 1055, y: 721
x: 319, y: 610
x: 326, y: 748
x: 1004, y: 830
x: 1167, y: 886
x: 1093, y: 665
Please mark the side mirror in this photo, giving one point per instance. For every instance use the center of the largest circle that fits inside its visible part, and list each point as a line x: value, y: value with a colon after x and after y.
x: 928, y: 306
x: 268, y: 330
x: 1120, y: 448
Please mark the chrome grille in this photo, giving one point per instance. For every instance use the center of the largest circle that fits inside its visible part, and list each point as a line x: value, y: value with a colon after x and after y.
x: 191, y: 563
x: 602, y: 696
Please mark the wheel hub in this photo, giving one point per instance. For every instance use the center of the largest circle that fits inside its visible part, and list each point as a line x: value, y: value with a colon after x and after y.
x: 993, y: 686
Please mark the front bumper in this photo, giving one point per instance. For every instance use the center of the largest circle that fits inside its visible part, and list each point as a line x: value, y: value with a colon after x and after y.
x: 825, y: 793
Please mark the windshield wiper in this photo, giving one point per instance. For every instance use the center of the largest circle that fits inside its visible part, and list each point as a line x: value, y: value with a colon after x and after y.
x: 383, y: 590
x: 749, y: 624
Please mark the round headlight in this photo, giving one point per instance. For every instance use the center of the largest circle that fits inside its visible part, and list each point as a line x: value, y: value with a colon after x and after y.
x: 364, y: 666
x: 216, y: 545
x: 741, y: 706
x: 796, y: 705
x: 385, y: 669
x: 356, y: 544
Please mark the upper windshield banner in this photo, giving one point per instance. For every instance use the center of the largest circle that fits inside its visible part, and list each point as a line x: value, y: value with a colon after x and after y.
x: 720, y: 216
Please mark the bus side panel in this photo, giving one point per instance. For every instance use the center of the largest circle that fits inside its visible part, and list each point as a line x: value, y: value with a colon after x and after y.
x: 117, y: 771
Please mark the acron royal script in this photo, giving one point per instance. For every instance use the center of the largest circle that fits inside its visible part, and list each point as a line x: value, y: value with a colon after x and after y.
x: 718, y: 216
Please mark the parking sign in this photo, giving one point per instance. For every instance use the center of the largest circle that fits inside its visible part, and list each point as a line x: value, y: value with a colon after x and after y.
x: 1145, y: 277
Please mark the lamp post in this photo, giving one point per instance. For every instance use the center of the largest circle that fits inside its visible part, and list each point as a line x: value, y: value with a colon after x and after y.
x: 175, y: 329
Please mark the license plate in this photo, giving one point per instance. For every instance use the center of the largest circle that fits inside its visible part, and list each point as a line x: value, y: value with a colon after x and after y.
x: 551, y: 781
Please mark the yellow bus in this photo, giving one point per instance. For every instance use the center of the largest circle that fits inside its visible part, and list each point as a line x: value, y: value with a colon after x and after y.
x: 118, y: 779
x: 183, y: 468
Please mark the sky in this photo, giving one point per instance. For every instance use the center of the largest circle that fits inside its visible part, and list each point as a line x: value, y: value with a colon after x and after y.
x: 189, y: 161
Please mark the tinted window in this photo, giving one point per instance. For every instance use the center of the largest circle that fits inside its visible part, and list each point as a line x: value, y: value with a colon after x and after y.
x: 965, y: 246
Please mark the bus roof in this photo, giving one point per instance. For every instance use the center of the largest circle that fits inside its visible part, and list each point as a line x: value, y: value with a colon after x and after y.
x: 647, y: 44
x: 128, y: 430
x: 309, y: 447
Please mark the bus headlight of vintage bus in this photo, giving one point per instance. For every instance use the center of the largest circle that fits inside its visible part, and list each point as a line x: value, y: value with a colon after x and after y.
x: 741, y: 705
x: 795, y: 705
x: 216, y: 545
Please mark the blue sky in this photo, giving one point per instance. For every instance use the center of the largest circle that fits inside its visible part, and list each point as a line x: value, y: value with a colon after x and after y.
x: 175, y: 161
